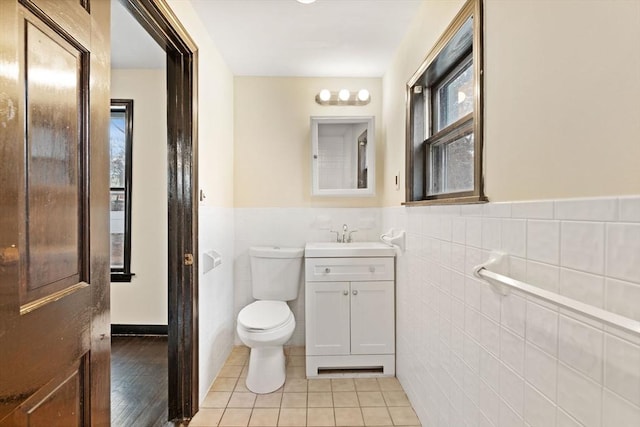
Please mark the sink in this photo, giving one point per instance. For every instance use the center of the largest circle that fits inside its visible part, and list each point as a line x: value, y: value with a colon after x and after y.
x: 353, y: 249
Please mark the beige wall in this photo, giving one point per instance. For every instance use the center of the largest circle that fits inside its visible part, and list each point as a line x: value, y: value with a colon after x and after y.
x: 144, y: 300
x: 273, y: 140
x: 562, y: 83
x: 214, y: 110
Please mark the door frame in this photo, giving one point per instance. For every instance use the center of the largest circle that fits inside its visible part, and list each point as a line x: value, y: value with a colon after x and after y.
x: 157, y: 18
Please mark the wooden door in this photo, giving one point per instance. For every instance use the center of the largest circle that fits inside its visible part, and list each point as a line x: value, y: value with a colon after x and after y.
x: 327, y: 318
x: 372, y: 318
x: 54, y: 258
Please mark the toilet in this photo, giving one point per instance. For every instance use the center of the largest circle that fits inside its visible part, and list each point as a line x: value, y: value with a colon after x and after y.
x: 267, y: 324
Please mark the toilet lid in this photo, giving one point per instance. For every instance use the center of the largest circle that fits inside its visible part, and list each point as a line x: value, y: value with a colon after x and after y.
x: 262, y: 315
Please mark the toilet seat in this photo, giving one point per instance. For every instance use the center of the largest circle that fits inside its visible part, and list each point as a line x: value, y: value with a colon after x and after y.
x: 262, y: 316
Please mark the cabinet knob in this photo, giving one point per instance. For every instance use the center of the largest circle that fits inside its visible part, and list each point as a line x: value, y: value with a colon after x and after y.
x: 355, y: 292
x: 372, y: 269
x: 327, y: 270
x: 345, y: 292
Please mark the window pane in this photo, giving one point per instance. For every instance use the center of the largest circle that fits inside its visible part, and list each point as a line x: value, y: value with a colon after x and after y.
x: 455, y: 97
x: 117, y: 144
x: 452, y: 166
x: 117, y: 228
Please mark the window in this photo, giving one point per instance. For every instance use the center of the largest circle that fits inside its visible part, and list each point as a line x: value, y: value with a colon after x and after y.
x: 444, y: 121
x: 120, y: 147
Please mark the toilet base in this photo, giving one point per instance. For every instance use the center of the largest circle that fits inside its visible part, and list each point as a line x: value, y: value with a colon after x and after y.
x: 266, y: 369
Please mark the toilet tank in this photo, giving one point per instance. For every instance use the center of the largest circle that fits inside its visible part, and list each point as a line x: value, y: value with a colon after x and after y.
x: 276, y: 272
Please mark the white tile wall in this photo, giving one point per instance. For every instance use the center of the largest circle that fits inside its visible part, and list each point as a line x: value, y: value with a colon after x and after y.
x: 216, y: 290
x: 468, y: 357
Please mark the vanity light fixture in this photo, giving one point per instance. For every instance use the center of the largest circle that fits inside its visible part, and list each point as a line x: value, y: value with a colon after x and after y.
x: 324, y: 95
x: 306, y: 1
x: 343, y: 97
x: 363, y: 95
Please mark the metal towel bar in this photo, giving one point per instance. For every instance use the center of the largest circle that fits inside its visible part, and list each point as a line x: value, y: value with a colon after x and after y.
x: 595, y: 313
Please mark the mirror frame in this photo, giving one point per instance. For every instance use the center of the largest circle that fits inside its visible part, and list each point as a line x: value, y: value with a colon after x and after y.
x: 371, y: 156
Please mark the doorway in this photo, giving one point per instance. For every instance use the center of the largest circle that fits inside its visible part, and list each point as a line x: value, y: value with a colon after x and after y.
x: 159, y: 22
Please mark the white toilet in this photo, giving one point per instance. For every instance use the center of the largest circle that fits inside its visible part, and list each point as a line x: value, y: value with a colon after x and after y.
x: 265, y: 325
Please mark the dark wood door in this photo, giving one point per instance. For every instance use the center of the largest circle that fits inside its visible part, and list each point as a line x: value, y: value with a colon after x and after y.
x: 54, y: 261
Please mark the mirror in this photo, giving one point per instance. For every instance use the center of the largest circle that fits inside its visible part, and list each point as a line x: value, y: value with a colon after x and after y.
x: 343, y: 154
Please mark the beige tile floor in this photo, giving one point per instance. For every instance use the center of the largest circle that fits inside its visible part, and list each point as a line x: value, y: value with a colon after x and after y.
x: 301, y: 402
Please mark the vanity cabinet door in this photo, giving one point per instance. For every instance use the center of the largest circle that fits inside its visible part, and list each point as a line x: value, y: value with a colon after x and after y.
x: 327, y: 318
x: 372, y: 318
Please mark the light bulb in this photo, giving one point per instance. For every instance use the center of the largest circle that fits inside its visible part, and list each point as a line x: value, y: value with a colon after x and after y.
x: 324, y: 95
x: 306, y: 1
x: 363, y: 95
x: 344, y: 95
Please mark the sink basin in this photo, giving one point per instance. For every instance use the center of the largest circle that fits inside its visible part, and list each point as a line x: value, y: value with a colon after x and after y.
x: 354, y: 249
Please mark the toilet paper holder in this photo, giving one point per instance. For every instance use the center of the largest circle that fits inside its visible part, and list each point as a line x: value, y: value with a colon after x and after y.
x: 210, y: 260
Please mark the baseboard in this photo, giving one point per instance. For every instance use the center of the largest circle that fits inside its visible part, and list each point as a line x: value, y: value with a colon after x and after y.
x: 139, y: 330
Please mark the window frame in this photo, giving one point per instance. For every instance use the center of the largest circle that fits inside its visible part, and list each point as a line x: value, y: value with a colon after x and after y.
x: 124, y: 274
x: 437, y: 68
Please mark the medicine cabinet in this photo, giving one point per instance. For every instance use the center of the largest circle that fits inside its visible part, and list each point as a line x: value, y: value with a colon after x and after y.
x: 343, y: 156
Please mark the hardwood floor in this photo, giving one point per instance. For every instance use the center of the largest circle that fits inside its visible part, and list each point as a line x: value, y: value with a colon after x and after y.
x: 139, y: 381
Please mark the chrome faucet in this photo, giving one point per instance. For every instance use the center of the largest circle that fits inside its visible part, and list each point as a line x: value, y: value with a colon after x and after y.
x: 346, y: 234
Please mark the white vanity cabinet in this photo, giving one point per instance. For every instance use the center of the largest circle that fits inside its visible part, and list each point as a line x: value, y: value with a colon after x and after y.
x: 350, y: 315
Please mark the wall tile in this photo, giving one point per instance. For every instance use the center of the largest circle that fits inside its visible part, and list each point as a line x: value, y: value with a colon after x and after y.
x: 514, y: 237
x: 583, y: 287
x: 513, y: 313
x: 512, y: 389
x: 473, y: 236
x: 490, y: 336
x: 497, y: 210
x: 508, y: 417
x: 490, y: 369
x: 542, y: 327
x: 597, y: 209
x: 489, y: 403
x: 622, y: 368
x: 623, y: 251
x: 532, y: 210
x: 544, y: 276
x: 618, y: 412
x: 543, y: 241
x: 629, y: 209
x: 490, y: 302
x: 538, y: 410
x: 579, y: 396
x: 458, y: 230
x: 580, y: 346
x: 582, y: 246
x: 491, y: 233
x: 565, y: 420
x: 622, y: 298
x: 512, y: 351
x: 541, y: 370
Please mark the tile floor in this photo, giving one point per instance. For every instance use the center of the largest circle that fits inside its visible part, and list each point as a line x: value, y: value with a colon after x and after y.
x: 301, y: 402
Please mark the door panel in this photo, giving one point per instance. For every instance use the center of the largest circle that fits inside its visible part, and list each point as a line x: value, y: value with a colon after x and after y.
x: 53, y: 280
x: 327, y: 318
x: 51, y: 241
x: 372, y: 318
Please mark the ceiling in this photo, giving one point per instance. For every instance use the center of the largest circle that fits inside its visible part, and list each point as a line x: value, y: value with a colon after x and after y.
x: 328, y: 38
x: 131, y: 45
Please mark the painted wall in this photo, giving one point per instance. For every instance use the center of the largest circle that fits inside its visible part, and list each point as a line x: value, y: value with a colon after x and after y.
x: 561, y: 110
x: 216, y: 223
x: 144, y: 300
x: 273, y: 140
